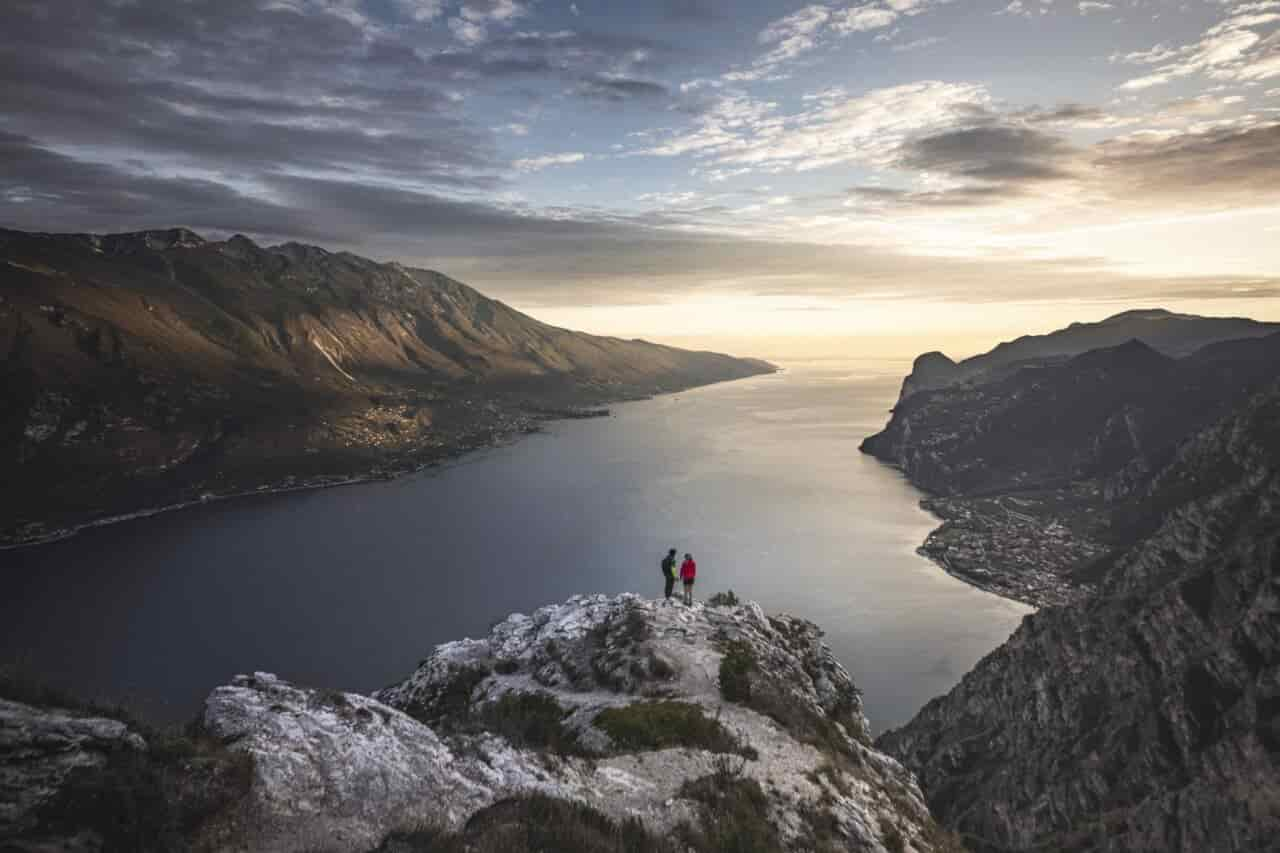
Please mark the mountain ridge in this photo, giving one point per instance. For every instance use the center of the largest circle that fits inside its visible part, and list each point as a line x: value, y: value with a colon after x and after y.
x: 156, y: 368
x: 1133, y: 496
x: 1165, y: 331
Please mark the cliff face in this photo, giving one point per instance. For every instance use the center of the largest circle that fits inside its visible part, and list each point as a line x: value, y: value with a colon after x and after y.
x: 703, y: 728
x: 154, y: 368
x: 1147, y: 718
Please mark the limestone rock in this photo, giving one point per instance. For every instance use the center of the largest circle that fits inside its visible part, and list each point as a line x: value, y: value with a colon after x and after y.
x: 338, y: 771
x: 40, y: 748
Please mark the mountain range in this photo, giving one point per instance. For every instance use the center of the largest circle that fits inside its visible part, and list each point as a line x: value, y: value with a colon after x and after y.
x: 1175, y: 335
x: 158, y: 367
x: 1034, y: 468
x: 1133, y: 490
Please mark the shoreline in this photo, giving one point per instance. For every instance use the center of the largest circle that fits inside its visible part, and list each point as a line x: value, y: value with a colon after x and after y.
x: 396, y: 472
x: 966, y: 523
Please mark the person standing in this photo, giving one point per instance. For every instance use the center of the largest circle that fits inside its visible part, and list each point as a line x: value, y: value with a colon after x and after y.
x: 669, y: 572
x: 688, y: 573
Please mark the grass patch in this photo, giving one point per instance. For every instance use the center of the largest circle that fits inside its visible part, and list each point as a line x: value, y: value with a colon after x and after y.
x: 724, y: 599
x: 531, y: 721
x: 736, y: 666
x: 142, y: 800
x: 533, y: 824
x: 734, y: 814
x: 738, y: 684
x: 892, y: 837
x: 833, y: 778
x: 664, y: 725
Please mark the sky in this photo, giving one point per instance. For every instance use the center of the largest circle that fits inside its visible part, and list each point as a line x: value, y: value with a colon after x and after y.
x: 876, y: 172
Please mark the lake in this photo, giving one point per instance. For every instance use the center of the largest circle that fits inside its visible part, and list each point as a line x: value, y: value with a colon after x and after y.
x: 760, y: 479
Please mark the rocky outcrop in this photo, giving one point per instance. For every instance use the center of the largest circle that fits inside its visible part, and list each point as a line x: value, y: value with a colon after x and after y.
x: 688, y: 727
x: 931, y: 370
x: 40, y: 749
x: 1148, y: 716
x: 77, y: 778
x: 615, y: 702
x: 158, y: 368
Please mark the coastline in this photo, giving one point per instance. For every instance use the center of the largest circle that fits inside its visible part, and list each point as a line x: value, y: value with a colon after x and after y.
x: 1020, y: 557
x: 412, y: 463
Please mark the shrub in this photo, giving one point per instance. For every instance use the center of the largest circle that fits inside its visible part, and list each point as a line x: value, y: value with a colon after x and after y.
x: 530, y: 720
x: 452, y: 702
x: 734, y: 814
x: 736, y: 666
x: 723, y: 599
x: 663, y: 725
x: 893, y: 840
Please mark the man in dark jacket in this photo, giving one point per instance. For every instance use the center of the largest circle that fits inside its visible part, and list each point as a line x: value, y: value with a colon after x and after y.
x: 669, y: 571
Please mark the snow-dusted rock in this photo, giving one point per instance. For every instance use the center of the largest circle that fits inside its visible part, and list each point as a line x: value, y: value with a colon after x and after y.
x: 336, y: 771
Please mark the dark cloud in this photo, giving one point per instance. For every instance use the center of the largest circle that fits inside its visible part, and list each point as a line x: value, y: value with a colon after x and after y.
x: 47, y: 191
x: 248, y: 89
x: 614, y: 88
x: 991, y: 153
x: 964, y: 196
x: 1063, y: 114
x: 1215, y: 166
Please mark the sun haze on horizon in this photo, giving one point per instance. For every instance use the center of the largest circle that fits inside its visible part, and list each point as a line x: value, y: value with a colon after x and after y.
x: 888, y: 173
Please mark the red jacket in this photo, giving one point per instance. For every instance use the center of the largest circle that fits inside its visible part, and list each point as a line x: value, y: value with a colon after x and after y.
x: 688, y: 570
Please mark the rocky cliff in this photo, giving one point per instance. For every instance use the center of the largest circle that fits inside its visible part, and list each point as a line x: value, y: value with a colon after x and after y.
x: 1146, y: 717
x: 155, y: 368
x: 603, y: 723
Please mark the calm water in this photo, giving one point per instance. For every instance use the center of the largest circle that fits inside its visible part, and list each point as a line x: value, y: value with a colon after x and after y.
x: 761, y: 479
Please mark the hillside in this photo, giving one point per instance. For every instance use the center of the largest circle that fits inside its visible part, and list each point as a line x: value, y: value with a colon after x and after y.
x: 1034, y: 473
x: 1134, y: 495
x: 600, y: 725
x: 152, y: 368
x: 1146, y: 718
x: 1174, y: 335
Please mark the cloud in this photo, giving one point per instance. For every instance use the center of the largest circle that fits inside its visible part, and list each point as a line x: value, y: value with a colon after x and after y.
x: 471, y: 25
x: 801, y: 31
x: 534, y: 164
x: 616, y: 87
x: 1217, y: 166
x: 1233, y: 49
x: 740, y: 131
x: 997, y: 153
x: 421, y: 10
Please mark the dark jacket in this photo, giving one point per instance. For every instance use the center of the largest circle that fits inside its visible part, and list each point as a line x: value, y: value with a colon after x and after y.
x: 669, y: 566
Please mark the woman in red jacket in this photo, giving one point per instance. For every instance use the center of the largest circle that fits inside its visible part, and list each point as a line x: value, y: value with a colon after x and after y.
x: 688, y: 571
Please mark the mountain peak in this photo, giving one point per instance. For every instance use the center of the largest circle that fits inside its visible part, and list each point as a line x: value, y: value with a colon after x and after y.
x: 154, y: 240
x: 1143, y: 314
x: 1133, y: 353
